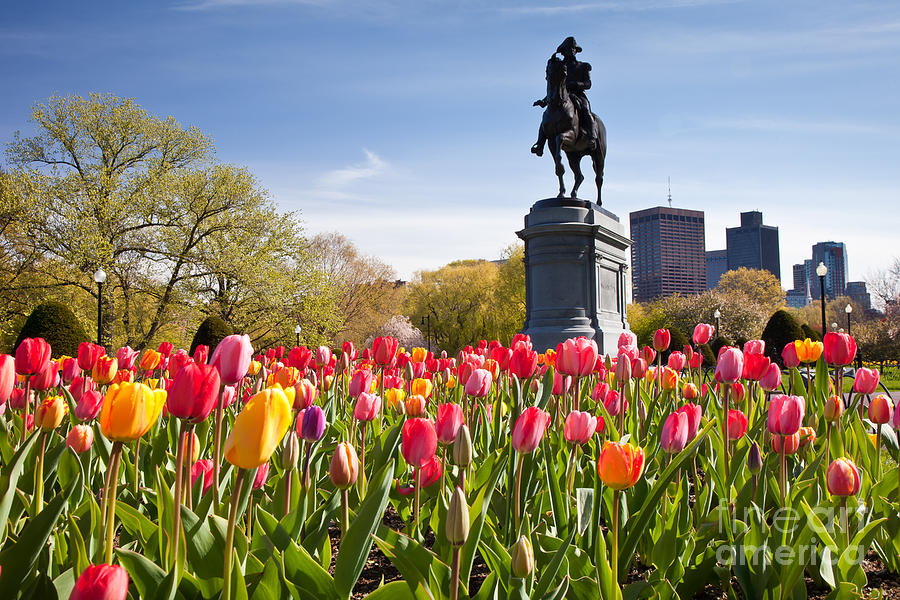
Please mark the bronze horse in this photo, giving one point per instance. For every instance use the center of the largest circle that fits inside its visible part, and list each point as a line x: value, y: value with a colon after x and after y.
x: 560, y: 129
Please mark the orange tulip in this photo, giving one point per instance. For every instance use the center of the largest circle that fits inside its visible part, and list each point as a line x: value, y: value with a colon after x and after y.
x: 105, y: 370
x: 620, y: 465
x: 149, y: 360
x: 418, y: 355
x: 51, y: 413
x: 130, y: 410
x: 415, y: 406
x: 258, y: 429
x: 808, y: 351
x: 669, y: 379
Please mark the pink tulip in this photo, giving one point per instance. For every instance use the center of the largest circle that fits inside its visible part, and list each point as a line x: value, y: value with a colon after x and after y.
x: 600, y: 391
x: 561, y: 384
x: 677, y: 361
x: 80, y: 438
x: 648, y: 354
x: 360, y: 382
x: 771, y: 379
x: 529, y: 429
x: 579, y: 427
x: 730, y: 365
x: 755, y: 347
x: 419, y: 441
x: 895, y: 421
x: 755, y: 366
x: 703, y: 332
x: 614, y: 403
x: 367, y: 407
x: 839, y: 348
x: 789, y: 356
x: 479, y: 383
x: 204, y: 467
x: 674, y: 434
x: 262, y: 472
x: 449, y: 420
x: 194, y: 392
x: 305, y: 394
x: 88, y: 406
x: 101, y: 582
x: 69, y: 370
x: 866, y: 381
x: 88, y: 354
x: 229, y: 395
x: 126, y: 357
x: 429, y: 474
x: 627, y: 339
x: 323, y: 357
x: 32, y: 356
x: 638, y: 368
x: 232, y: 357
x: 7, y: 377
x: 576, y: 356
x: 623, y: 368
x: 786, y: 414
x: 662, y: 339
x: 694, y: 413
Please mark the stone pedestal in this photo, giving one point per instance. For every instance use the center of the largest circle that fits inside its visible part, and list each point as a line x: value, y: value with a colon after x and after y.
x: 575, y: 273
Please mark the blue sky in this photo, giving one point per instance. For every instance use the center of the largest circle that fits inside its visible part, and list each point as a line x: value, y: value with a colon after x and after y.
x: 406, y: 125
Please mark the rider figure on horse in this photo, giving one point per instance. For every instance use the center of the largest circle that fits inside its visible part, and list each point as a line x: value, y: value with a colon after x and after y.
x: 578, y: 80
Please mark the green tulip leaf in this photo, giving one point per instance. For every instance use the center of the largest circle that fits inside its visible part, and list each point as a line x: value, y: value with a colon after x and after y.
x: 9, y: 479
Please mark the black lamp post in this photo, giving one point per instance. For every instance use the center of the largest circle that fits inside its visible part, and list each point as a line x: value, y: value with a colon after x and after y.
x: 718, y: 315
x: 99, y: 279
x: 848, y: 309
x: 297, y: 330
x: 822, y: 271
x: 426, y: 322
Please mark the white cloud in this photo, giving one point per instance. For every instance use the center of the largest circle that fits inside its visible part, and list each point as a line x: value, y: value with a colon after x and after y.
x: 373, y: 166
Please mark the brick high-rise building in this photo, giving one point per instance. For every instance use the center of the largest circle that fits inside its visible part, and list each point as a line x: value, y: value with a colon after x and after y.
x: 668, y: 255
x: 753, y: 245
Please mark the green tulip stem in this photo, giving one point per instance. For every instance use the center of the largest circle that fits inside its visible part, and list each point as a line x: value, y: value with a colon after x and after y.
x: 115, y: 459
x: 614, y: 555
x: 570, y: 480
x: 417, y: 490
x: 878, y: 453
x: 229, y: 536
x: 518, y: 495
x: 345, y: 511
x: 27, y: 406
x: 39, y: 476
x: 783, y: 478
x: 217, y: 446
x: 179, y: 472
x: 828, y: 442
x: 454, y: 573
x: 137, y: 471
x: 362, y: 460
x: 725, y: 403
x: 845, y: 521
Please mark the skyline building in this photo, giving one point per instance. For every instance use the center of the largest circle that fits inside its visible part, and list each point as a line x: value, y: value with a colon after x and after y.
x: 753, y: 245
x: 859, y: 293
x: 716, y: 266
x: 834, y: 255
x: 668, y: 254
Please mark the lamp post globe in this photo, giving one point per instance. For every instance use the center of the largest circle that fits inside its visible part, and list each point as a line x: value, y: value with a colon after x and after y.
x: 298, y: 330
x: 99, y: 279
x: 717, y: 315
x: 822, y: 271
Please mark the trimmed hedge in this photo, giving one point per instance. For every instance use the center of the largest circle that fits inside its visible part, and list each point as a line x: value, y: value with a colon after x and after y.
x: 781, y: 329
x: 54, y: 322
x: 212, y: 330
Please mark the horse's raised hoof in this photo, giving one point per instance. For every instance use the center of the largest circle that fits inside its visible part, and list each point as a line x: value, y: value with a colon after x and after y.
x: 538, y: 149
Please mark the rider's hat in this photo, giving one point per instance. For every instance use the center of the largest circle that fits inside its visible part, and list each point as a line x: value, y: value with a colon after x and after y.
x: 569, y: 42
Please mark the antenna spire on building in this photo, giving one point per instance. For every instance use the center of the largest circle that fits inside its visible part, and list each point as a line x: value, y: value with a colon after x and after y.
x: 669, y: 186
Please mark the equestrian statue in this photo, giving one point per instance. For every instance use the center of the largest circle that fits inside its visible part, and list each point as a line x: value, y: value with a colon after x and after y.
x: 568, y: 124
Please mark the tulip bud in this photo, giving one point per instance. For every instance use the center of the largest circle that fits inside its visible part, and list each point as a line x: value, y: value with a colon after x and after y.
x: 623, y: 369
x: 834, y: 408
x: 754, y: 459
x: 458, y: 518
x: 193, y: 451
x: 522, y: 558
x: 462, y: 447
x: 291, y: 452
x: 80, y: 438
x: 344, y: 466
x: 109, y: 582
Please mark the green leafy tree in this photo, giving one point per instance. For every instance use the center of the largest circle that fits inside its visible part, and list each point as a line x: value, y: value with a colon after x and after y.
x: 758, y: 285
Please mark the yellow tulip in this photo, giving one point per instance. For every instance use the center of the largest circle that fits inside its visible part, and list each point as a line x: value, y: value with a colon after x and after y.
x: 50, y: 413
x: 808, y: 351
x: 394, y: 397
x: 255, y: 366
x: 421, y: 387
x: 258, y: 429
x: 130, y: 410
x: 418, y: 355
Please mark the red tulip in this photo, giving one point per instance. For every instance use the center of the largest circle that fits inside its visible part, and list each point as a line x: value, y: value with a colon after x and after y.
x: 579, y: 427
x: 201, y: 354
x: 479, y: 383
x: 840, y: 348
x: 194, y: 392
x: 737, y: 424
x: 262, y: 472
x: 88, y: 354
x: 384, y: 349
x: 662, y: 339
x: 367, y: 407
x: 755, y: 366
x: 730, y: 366
x: 232, y: 357
x: 204, y: 467
x: 880, y: 409
x: 523, y: 361
x: 786, y: 444
x: 576, y: 356
x: 786, y: 414
x: 842, y: 478
x: 648, y: 354
x: 80, y: 438
x: 419, y: 441
x: 101, y: 582
x: 305, y: 394
x: 361, y: 381
x: 529, y: 429
x: 754, y: 347
x: 7, y: 377
x: 703, y: 332
x: 695, y: 361
x: 638, y: 368
x: 449, y: 420
x: 771, y: 379
x: 623, y: 368
x: 600, y: 391
x: 299, y: 358
x: 177, y: 362
x: 165, y: 348
x: 866, y: 381
x: 47, y: 378
x: 738, y: 392
x: 69, y: 369
x: 674, y: 434
x: 615, y: 403
x: 32, y: 356
x: 88, y: 406
x: 17, y: 399
x: 429, y: 474
x: 789, y: 356
x: 694, y: 413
